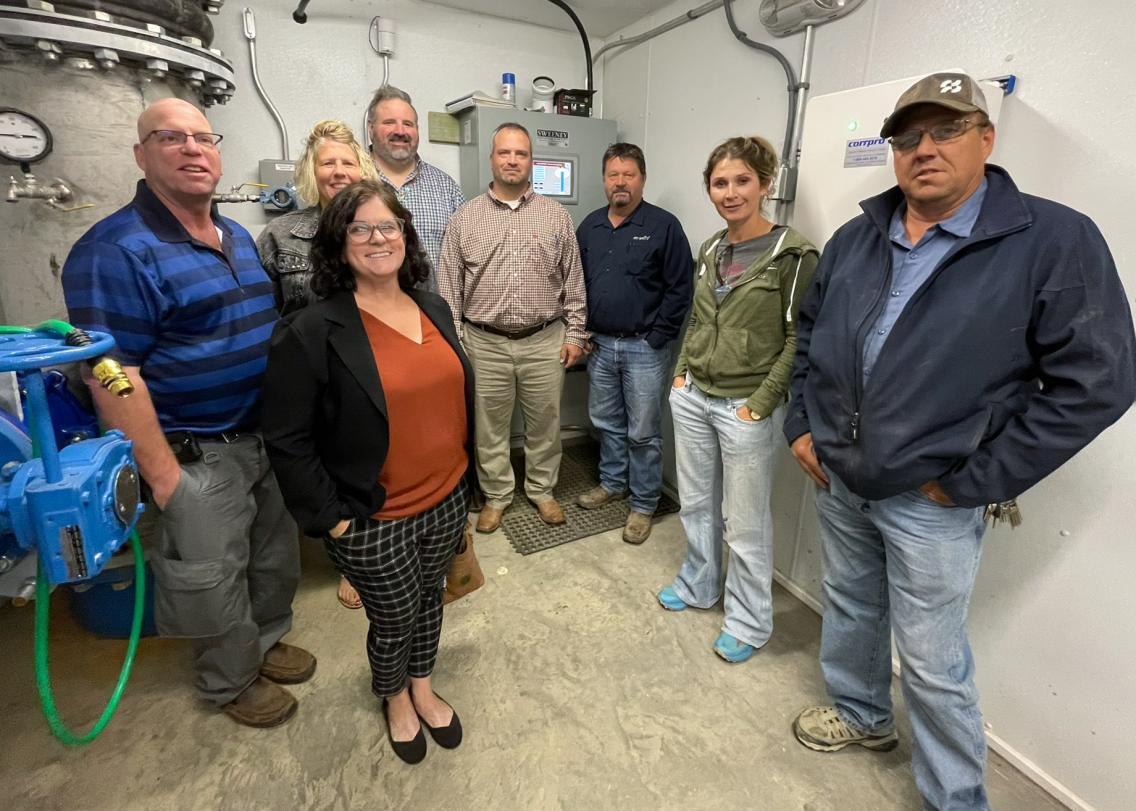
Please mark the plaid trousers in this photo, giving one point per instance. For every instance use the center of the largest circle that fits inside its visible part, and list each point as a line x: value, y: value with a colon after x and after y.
x: 399, y: 566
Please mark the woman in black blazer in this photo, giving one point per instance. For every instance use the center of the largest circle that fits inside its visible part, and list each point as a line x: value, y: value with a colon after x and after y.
x: 368, y: 423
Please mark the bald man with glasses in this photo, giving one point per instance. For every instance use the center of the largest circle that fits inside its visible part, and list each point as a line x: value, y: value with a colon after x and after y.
x: 182, y: 291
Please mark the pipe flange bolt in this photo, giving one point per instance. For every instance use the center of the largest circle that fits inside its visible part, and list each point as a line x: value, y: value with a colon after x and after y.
x: 107, y: 58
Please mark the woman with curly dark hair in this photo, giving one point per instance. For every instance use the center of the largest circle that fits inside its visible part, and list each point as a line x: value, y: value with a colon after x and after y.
x: 368, y: 409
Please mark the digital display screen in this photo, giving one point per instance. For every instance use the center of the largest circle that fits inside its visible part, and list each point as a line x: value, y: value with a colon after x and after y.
x: 552, y: 178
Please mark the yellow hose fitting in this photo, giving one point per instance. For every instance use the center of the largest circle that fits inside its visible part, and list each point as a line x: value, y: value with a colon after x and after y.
x: 111, y: 377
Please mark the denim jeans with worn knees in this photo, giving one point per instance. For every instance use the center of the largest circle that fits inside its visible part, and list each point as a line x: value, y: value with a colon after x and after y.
x: 905, y: 564
x: 725, y: 474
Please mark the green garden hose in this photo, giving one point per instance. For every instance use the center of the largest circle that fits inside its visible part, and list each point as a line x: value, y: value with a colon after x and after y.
x: 42, y: 671
x: 60, y: 328
x: 42, y: 613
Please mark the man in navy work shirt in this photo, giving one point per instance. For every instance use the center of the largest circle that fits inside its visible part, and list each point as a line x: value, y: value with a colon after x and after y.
x: 960, y: 341
x: 638, y: 272
x: 184, y: 295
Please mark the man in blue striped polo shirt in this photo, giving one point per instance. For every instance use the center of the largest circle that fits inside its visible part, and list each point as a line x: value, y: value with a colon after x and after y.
x: 182, y: 291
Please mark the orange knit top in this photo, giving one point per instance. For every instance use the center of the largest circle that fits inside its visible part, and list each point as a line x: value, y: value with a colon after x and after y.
x: 424, y: 387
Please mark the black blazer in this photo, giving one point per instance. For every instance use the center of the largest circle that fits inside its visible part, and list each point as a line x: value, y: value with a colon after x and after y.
x: 324, y: 414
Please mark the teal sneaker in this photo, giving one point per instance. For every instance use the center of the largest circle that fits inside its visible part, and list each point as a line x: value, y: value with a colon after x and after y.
x: 669, y: 600
x: 731, y: 649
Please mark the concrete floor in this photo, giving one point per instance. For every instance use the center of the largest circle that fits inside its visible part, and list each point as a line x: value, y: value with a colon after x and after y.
x: 575, y: 689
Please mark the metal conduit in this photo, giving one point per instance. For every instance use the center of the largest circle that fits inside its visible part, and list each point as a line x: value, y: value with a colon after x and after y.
x: 787, y: 147
x: 250, y: 35
x: 693, y: 14
x: 788, y: 191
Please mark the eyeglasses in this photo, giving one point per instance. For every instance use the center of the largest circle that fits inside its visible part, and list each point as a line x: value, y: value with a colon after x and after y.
x: 362, y: 231
x: 946, y: 131
x: 168, y: 139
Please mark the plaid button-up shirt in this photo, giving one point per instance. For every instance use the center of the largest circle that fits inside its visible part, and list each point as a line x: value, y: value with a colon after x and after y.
x: 513, y: 269
x: 431, y: 196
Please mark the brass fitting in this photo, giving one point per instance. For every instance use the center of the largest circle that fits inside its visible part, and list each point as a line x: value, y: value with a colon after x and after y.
x: 111, y: 377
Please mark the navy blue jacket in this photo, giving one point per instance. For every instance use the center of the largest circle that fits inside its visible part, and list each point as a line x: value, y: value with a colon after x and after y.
x: 639, y: 276
x: 1014, y: 355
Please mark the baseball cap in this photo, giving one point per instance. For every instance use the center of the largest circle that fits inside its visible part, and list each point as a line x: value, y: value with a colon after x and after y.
x: 956, y: 91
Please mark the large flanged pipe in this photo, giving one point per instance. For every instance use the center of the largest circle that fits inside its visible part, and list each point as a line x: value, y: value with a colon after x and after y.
x: 180, y: 18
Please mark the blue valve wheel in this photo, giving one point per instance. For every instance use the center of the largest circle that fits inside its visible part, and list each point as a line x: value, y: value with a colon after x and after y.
x: 27, y: 351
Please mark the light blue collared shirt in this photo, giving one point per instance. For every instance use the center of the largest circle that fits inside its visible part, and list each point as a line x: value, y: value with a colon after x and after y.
x: 912, y: 265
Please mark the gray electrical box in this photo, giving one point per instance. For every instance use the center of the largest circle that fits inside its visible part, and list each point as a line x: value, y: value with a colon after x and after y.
x: 567, y: 155
x: 279, y: 179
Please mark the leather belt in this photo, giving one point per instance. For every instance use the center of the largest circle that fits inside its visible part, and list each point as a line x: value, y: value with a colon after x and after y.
x: 514, y: 334
x: 228, y: 437
x: 186, y: 444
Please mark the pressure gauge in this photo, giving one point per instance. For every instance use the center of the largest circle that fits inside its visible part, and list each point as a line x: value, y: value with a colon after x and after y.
x: 23, y: 137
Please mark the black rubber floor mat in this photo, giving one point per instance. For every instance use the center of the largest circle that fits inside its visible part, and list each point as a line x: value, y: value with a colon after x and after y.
x: 579, y: 472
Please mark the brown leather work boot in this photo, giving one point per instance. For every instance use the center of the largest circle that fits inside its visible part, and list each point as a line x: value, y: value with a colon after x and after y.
x: 638, y: 528
x: 597, y: 497
x: 262, y: 704
x: 287, y: 664
x: 489, y: 519
x: 550, y: 512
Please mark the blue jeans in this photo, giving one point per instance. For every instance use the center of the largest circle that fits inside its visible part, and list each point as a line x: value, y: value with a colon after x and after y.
x: 626, y: 382
x: 907, y: 565
x: 725, y: 474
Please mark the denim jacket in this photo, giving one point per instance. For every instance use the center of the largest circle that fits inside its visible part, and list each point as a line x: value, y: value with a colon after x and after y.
x: 284, y: 245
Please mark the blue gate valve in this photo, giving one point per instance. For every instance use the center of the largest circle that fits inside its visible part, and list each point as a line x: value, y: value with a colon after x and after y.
x: 74, y: 507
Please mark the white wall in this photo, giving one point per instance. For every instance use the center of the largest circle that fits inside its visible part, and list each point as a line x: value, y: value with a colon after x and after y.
x: 1052, y: 619
x: 325, y: 69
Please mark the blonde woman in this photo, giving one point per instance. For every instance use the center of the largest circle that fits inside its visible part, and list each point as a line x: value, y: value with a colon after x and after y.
x: 332, y: 160
x: 728, y: 396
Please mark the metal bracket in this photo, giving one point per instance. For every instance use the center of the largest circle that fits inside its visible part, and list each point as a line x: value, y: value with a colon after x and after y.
x: 1008, y: 83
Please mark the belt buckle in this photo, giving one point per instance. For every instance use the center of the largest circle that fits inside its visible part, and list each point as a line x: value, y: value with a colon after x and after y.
x: 229, y: 437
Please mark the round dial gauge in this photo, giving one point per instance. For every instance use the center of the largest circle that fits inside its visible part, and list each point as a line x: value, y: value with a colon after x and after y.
x: 23, y: 137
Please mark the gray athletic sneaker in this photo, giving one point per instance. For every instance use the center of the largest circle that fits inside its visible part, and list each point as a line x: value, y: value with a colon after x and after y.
x: 823, y: 730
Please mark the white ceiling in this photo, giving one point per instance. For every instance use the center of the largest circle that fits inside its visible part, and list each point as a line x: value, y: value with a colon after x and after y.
x: 600, y: 17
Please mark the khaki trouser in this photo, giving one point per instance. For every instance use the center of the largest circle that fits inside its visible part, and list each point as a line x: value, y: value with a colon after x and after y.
x: 529, y: 371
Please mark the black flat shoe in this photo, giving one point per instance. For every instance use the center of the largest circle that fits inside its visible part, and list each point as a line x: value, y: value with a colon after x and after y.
x: 449, y: 736
x: 414, y: 750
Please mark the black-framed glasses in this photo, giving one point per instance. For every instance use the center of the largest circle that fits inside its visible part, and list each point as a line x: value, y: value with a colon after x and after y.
x: 171, y: 138
x: 361, y: 231
x: 946, y: 131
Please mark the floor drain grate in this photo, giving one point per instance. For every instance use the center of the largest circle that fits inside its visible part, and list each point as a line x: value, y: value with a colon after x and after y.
x: 578, y: 473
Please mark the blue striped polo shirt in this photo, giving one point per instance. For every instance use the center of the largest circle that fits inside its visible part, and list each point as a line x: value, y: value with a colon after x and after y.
x: 195, y: 320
